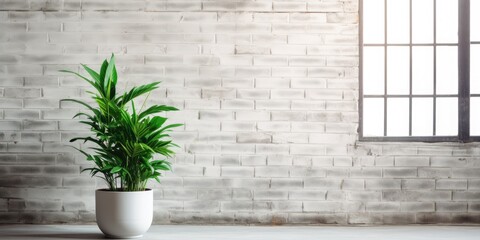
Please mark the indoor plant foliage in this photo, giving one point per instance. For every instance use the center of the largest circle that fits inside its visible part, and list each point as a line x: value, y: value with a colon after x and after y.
x: 126, y: 140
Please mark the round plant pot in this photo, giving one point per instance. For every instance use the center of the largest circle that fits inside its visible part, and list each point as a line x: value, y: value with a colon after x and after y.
x: 124, y: 214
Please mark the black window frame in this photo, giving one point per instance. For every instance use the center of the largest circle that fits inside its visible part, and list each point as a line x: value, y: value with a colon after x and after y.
x: 463, y: 80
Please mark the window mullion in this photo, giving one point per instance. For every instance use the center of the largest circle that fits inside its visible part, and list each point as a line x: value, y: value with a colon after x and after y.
x: 385, y: 110
x: 464, y: 70
x: 360, y: 72
x: 434, y: 125
x: 410, y: 76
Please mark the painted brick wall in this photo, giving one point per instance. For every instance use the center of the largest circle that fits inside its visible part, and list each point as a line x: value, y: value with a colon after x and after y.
x: 268, y: 92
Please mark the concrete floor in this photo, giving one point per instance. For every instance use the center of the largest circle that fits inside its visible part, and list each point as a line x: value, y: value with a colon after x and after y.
x: 59, y: 232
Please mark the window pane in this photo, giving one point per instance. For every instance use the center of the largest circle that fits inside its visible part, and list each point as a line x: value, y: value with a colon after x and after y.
x: 398, y: 21
x: 422, y: 70
x: 447, y: 21
x: 447, y: 70
x: 373, y: 21
x: 373, y: 70
x: 373, y: 117
x: 397, y: 116
x: 475, y: 116
x: 475, y: 20
x: 475, y: 69
x: 447, y: 117
x: 398, y: 70
x: 422, y: 21
x: 422, y: 117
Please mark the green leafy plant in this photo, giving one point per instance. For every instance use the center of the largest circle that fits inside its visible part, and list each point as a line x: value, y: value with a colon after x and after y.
x: 125, y: 141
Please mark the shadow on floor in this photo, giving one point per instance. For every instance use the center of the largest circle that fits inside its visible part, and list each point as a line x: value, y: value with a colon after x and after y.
x: 59, y: 235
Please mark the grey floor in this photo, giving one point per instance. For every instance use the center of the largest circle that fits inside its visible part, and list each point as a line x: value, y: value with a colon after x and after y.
x: 160, y: 232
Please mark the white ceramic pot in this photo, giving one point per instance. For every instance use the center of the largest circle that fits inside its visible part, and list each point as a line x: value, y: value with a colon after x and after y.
x: 124, y: 214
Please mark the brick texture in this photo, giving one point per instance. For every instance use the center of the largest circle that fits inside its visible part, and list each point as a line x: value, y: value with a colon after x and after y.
x: 268, y: 92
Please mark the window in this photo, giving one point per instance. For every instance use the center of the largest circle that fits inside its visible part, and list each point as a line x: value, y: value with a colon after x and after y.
x: 415, y: 78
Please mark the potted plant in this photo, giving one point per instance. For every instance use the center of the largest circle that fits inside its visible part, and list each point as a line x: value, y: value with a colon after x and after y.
x: 125, y: 144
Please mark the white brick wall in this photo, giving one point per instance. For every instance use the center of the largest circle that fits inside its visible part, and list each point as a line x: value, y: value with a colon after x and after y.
x: 268, y: 92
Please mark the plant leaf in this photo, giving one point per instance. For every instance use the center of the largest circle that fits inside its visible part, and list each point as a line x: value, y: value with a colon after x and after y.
x: 116, y: 169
